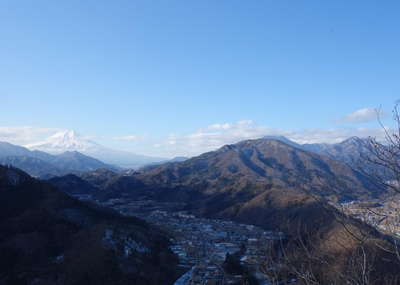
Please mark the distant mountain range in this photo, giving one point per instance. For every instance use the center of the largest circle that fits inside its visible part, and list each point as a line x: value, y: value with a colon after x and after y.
x: 273, y: 183
x: 266, y: 182
x: 221, y: 182
x: 261, y: 164
x: 256, y: 165
x: 71, y: 141
x: 347, y: 151
x: 42, y: 164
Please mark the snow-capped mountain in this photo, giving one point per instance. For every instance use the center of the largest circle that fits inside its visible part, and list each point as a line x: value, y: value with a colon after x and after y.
x: 42, y: 164
x: 65, y: 141
x: 71, y: 141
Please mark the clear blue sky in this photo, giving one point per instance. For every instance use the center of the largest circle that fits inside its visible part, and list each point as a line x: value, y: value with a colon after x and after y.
x: 113, y: 68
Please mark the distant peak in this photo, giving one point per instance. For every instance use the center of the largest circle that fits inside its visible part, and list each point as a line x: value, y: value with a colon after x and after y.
x: 65, y: 134
x: 276, y: 138
x: 67, y: 140
x: 353, y: 139
x: 227, y: 147
x: 282, y: 139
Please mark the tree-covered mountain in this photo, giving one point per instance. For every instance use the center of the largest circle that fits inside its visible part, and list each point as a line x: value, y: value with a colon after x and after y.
x: 273, y: 185
x: 48, y: 237
x: 349, y: 150
x: 238, y: 173
x: 73, y: 185
x: 254, y: 165
x: 32, y: 165
x: 8, y: 149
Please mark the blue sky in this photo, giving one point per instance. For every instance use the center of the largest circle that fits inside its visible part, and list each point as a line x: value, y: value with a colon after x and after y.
x: 154, y: 71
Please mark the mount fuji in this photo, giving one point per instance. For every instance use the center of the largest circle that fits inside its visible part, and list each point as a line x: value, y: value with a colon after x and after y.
x: 71, y: 141
x: 64, y: 141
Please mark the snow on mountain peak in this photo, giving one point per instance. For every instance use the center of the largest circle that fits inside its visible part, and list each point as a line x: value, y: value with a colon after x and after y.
x: 68, y: 140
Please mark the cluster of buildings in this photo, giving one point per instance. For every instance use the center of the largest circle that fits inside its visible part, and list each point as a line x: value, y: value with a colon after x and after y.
x: 382, y: 215
x: 203, y: 244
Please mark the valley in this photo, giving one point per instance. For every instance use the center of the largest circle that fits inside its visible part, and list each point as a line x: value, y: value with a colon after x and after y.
x: 264, y: 184
x: 381, y: 214
x: 249, y: 213
x: 203, y: 244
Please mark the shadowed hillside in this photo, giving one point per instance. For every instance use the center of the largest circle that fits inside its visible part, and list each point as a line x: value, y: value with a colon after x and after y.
x: 278, y: 187
x: 258, y: 164
x: 50, y: 238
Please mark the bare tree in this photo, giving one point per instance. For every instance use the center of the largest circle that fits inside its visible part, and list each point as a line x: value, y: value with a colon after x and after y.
x: 303, y: 261
x: 381, y: 161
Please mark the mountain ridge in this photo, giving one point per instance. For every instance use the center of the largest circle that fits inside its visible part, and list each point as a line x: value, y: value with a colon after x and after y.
x: 349, y: 150
x: 38, y: 163
x: 265, y: 162
x: 71, y: 141
x: 272, y: 185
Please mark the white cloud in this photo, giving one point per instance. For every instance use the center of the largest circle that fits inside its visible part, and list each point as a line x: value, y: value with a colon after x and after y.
x: 22, y: 135
x: 334, y: 135
x: 220, y: 126
x: 361, y: 116
x: 217, y: 135
x: 205, y: 139
x: 129, y: 138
